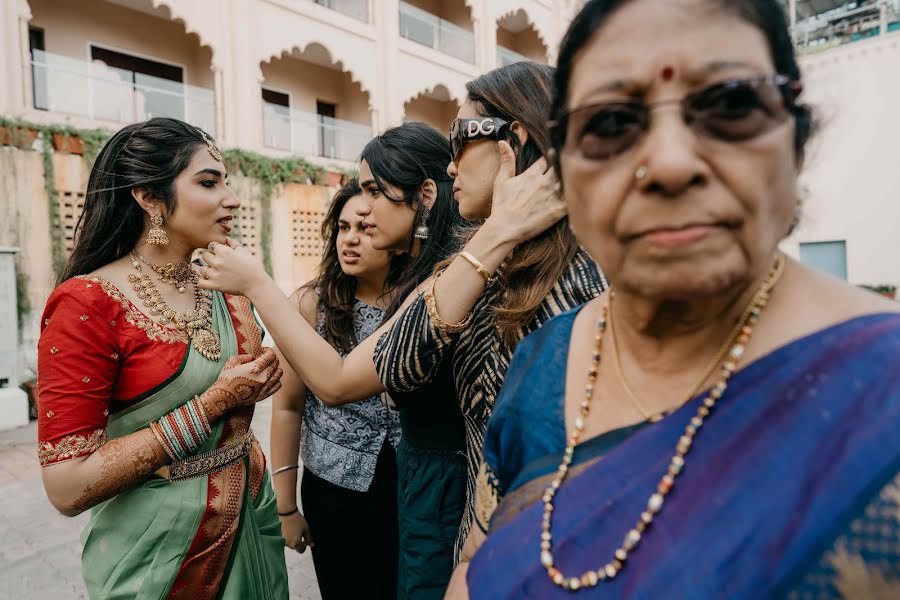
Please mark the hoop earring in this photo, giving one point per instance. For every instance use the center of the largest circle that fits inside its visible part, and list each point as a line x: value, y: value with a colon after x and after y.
x: 422, y: 232
x: 157, y: 235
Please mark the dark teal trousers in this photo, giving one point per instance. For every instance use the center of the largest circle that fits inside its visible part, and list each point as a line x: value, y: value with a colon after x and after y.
x: 431, y: 497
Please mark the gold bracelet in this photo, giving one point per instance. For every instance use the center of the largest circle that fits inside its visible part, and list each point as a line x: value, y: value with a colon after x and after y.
x: 441, y: 324
x: 488, y: 279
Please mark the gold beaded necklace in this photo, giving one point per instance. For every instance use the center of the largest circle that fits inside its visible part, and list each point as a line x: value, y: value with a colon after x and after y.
x: 656, y: 500
x: 197, y: 322
x: 710, y: 369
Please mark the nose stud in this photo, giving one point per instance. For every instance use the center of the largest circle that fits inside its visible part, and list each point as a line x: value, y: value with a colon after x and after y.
x: 640, y: 173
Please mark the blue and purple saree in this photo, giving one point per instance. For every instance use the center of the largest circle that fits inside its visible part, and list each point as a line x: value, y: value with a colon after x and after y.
x: 790, y: 490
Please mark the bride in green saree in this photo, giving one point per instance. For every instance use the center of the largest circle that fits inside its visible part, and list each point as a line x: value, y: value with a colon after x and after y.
x: 147, y: 384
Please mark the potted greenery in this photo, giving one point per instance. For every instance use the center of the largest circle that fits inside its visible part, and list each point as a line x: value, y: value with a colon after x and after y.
x: 70, y: 143
x: 20, y: 136
x: 885, y: 289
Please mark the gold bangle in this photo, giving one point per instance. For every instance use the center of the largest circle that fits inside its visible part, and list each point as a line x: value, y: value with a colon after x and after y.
x: 488, y: 279
x: 441, y: 324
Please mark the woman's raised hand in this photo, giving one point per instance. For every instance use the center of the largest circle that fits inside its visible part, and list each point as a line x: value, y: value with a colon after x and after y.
x: 527, y: 204
x: 231, y: 268
x: 244, y: 380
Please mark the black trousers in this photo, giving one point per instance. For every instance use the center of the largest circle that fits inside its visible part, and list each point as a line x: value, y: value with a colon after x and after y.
x: 355, y: 533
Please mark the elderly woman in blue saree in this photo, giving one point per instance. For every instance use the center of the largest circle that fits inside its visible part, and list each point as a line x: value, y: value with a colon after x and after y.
x: 148, y: 384
x: 723, y: 423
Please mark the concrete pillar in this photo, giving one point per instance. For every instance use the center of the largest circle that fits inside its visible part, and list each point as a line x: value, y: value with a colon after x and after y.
x: 13, y: 401
x: 387, y: 28
x: 793, y: 16
x: 487, y: 37
x: 15, y: 61
x: 241, y: 82
x: 219, y: 91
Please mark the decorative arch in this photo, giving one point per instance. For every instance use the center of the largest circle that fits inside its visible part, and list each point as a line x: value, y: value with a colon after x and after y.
x: 441, y: 109
x: 179, y: 14
x: 540, y: 26
x: 438, y: 92
x: 347, y: 62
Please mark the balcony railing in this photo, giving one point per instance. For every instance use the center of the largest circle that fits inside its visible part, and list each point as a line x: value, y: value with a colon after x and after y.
x: 313, y: 135
x: 432, y: 31
x: 95, y: 90
x: 848, y: 23
x: 358, y: 9
x: 505, y: 56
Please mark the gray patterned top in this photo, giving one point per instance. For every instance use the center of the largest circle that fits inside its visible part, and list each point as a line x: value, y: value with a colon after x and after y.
x: 341, y: 444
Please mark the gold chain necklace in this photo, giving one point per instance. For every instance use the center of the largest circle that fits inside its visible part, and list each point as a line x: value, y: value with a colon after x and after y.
x: 656, y: 500
x: 711, y: 367
x: 178, y: 274
x: 197, y: 322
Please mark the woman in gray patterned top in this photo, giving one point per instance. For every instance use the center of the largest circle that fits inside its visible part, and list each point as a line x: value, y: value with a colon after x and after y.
x: 349, y: 487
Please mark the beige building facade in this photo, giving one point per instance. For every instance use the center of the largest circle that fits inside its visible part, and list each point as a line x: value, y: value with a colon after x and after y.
x: 317, y: 78
x: 313, y: 78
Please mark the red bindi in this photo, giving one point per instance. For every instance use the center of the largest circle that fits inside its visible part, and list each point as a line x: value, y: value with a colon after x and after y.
x: 667, y: 73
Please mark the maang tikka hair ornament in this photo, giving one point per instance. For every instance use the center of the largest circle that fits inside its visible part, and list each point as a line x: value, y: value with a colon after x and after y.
x: 213, y: 151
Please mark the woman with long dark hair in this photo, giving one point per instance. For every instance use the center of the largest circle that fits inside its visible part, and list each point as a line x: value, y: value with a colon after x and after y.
x: 349, y: 486
x: 410, y: 210
x: 147, y: 383
x: 458, y: 333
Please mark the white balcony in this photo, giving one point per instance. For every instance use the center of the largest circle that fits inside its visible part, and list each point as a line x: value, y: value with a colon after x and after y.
x: 432, y: 31
x: 94, y: 90
x: 505, y: 56
x: 358, y: 9
x: 310, y: 134
x: 846, y: 23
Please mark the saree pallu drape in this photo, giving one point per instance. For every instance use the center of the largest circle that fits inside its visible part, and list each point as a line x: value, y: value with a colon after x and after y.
x: 794, y: 471
x: 212, y: 536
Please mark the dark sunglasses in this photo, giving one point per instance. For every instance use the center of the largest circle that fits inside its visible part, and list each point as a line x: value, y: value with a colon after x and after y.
x: 467, y: 130
x: 731, y: 111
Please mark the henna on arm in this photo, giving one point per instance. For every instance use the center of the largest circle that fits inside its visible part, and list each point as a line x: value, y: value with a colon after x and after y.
x: 123, y: 463
x: 218, y: 400
x: 116, y: 466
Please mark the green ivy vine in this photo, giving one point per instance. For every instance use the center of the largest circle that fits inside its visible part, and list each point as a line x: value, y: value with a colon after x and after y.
x: 270, y: 172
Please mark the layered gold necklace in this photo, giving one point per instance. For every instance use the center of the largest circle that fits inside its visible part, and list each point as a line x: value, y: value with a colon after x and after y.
x: 196, y: 322
x: 739, y: 339
x: 178, y: 274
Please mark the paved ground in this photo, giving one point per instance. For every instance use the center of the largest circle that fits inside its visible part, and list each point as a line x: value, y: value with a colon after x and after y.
x: 40, y: 552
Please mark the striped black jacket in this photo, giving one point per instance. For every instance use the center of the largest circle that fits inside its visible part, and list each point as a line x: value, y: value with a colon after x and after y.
x: 408, y: 356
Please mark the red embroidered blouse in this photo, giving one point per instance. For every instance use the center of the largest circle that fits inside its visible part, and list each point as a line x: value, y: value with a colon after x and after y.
x: 98, y: 353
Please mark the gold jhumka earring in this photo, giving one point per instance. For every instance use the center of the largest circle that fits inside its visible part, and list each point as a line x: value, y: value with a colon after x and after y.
x: 157, y: 235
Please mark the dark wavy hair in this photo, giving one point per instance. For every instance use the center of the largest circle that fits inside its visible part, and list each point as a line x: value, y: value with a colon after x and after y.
x: 766, y: 15
x: 405, y: 157
x: 148, y: 155
x: 336, y: 289
x: 522, y: 92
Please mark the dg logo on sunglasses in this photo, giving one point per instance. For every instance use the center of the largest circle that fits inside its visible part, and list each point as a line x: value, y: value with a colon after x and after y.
x: 485, y: 127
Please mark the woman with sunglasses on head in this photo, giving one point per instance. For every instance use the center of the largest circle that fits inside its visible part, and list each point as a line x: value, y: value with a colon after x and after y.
x: 519, y: 269
x: 148, y: 384
x: 460, y: 333
x: 349, y: 487
x: 409, y: 210
x: 768, y: 466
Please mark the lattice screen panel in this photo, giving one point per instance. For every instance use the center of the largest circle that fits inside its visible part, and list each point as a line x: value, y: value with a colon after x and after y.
x: 70, y: 206
x: 246, y: 226
x: 71, y: 182
x: 306, y: 232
